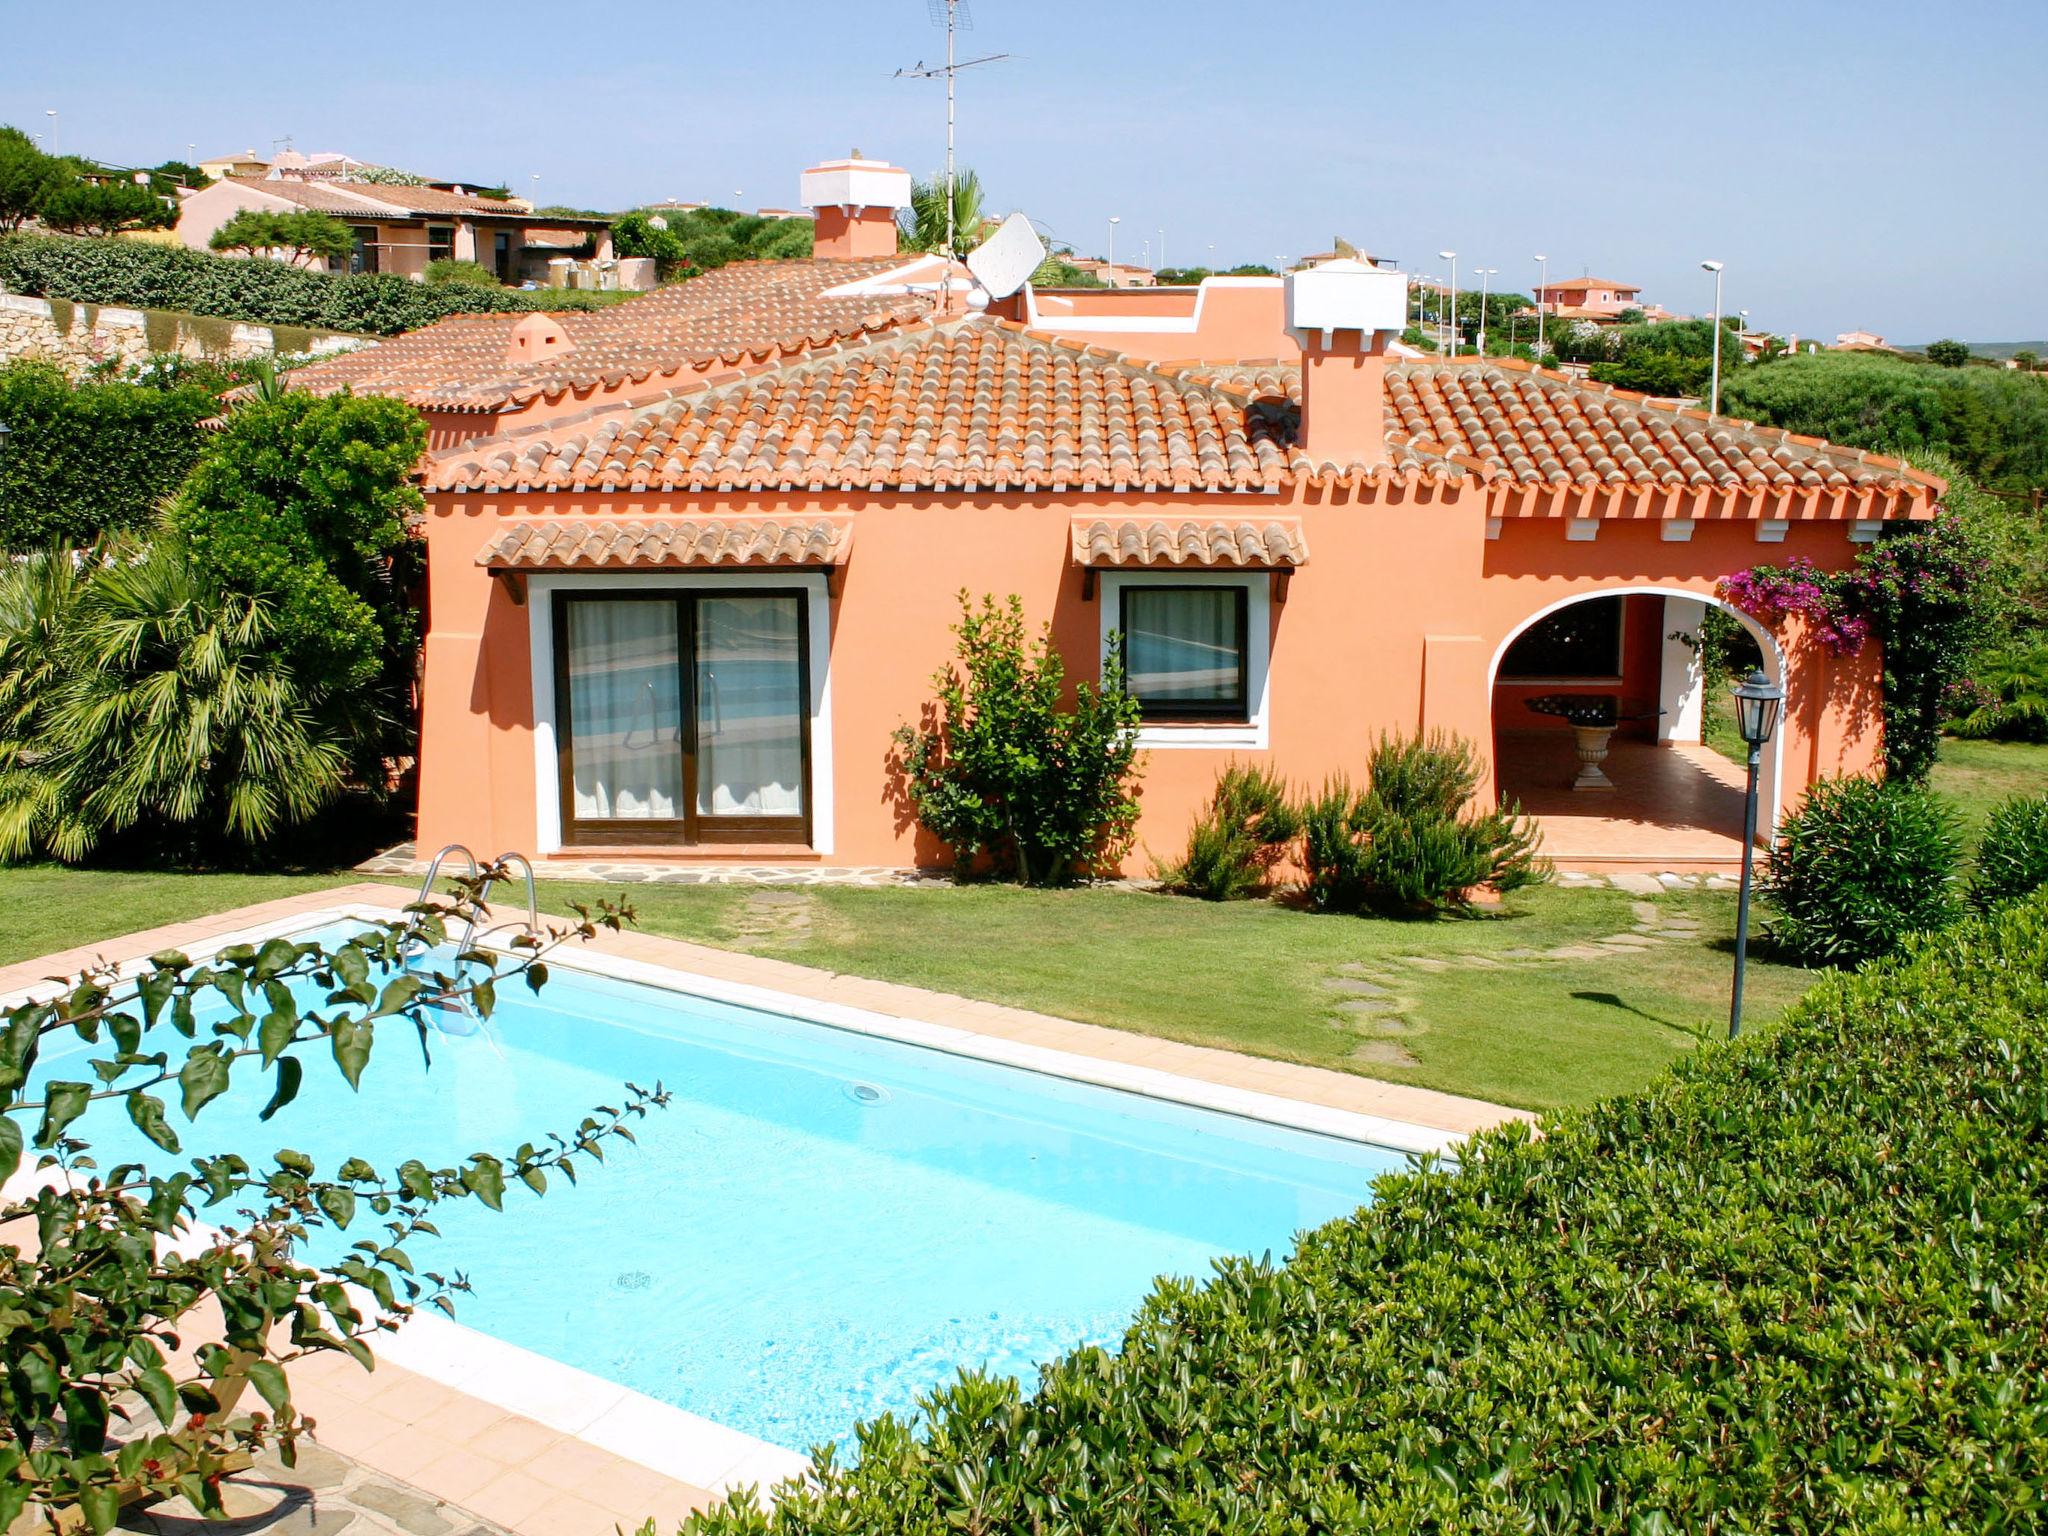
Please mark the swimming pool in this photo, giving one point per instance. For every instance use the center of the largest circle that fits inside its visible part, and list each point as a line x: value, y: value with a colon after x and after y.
x: 824, y: 1223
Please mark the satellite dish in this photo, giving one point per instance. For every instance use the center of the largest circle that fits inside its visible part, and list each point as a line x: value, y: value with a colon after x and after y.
x: 1004, y: 262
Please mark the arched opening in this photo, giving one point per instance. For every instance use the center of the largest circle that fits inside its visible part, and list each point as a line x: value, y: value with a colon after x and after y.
x: 1604, y: 730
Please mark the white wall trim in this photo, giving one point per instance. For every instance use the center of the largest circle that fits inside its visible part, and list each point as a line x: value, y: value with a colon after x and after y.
x: 540, y: 630
x: 1771, y: 778
x: 1258, y: 621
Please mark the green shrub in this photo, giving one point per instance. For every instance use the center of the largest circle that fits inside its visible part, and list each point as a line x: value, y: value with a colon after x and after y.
x: 1861, y: 866
x: 2007, y: 700
x: 92, y: 458
x: 1411, y: 842
x: 2012, y: 855
x: 1233, y: 845
x: 1002, y: 765
x: 146, y: 275
x: 1796, y: 1285
x: 472, y: 274
x: 300, y: 232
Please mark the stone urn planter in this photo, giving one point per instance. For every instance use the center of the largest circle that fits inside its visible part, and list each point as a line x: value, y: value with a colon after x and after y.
x: 1593, y: 718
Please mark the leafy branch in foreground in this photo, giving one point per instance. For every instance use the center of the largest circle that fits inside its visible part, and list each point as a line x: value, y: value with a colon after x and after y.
x: 116, y: 1386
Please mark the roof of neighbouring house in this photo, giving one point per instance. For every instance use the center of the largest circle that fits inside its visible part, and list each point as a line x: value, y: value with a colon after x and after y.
x: 973, y: 404
x: 375, y: 200
x: 1573, y: 284
x: 1534, y: 426
x: 743, y: 313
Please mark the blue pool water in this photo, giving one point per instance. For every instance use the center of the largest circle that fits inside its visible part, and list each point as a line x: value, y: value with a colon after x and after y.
x: 787, y: 1251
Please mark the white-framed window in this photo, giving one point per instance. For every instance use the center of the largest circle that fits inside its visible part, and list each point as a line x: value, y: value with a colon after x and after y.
x: 546, y: 624
x: 1197, y: 653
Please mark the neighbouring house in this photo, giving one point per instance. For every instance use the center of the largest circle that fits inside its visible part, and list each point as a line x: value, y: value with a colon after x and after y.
x: 400, y: 229
x: 1588, y: 298
x: 247, y: 163
x: 1115, y: 274
x: 686, y: 577
x: 1859, y: 341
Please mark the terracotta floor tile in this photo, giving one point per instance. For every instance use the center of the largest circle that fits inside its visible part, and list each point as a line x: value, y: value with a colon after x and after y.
x: 459, y: 1476
x: 567, y: 1515
x: 510, y: 1497
x: 569, y: 1464
x: 514, y: 1440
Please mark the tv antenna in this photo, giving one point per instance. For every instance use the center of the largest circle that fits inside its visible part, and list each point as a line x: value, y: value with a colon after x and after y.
x: 952, y: 15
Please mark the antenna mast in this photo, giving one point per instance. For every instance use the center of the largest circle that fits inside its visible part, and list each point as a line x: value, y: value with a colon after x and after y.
x: 952, y: 15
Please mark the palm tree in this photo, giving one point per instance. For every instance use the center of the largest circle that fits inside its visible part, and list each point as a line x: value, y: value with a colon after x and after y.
x: 928, y: 213
x: 38, y: 596
x: 167, y: 704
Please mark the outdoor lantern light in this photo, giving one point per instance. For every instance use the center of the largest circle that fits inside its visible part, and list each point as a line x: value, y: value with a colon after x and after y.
x: 1756, y: 710
x: 1757, y: 701
x: 3, y: 437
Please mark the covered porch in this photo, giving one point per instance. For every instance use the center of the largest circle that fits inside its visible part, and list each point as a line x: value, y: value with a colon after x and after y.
x: 1641, y: 790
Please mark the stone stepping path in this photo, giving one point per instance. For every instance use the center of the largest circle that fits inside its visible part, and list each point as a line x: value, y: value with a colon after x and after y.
x: 1367, y: 998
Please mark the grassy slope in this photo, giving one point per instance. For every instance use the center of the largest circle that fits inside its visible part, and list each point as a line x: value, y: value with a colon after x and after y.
x: 45, y: 907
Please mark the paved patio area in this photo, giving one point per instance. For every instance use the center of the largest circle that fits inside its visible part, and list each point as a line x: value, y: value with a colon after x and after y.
x: 1676, y: 807
x: 405, y: 1453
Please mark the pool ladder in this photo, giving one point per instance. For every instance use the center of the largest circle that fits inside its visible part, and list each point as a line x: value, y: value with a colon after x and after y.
x: 529, y: 925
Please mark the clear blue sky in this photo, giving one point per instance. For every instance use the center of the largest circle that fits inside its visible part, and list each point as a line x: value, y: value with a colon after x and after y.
x: 1875, y: 165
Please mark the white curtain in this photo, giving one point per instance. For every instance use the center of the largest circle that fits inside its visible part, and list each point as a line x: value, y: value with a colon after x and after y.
x: 625, y: 711
x: 1182, y: 645
x: 750, y: 707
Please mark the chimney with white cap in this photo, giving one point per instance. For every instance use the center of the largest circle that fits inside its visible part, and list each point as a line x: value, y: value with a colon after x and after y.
x: 855, y: 203
x: 1343, y: 313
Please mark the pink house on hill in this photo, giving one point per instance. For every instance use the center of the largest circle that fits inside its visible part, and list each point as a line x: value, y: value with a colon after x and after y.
x: 1588, y: 298
x: 688, y: 570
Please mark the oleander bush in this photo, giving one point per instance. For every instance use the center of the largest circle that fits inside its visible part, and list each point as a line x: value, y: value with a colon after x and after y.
x: 2012, y: 854
x: 1234, y: 844
x: 1795, y: 1285
x: 151, y: 276
x: 1411, y: 841
x: 1862, y: 865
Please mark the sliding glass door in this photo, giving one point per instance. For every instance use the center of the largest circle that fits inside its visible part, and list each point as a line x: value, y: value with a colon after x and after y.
x: 683, y: 717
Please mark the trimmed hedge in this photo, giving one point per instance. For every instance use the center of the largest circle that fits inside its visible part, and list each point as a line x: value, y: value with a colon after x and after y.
x: 1796, y: 1284
x: 92, y: 458
x: 146, y: 275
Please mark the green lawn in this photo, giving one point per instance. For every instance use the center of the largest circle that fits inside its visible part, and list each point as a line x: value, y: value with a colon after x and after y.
x: 1976, y: 775
x: 46, y: 907
x: 1475, y: 1006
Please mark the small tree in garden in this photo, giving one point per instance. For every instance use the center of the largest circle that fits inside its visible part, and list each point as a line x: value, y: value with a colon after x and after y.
x: 27, y: 176
x: 109, y: 1271
x: 84, y: 207
x: 1411, y: 842
x: 1948, y: 353
x: 2012, y: 855
x: 1006, y: 764
x: 297, y: 235
x: 303, y: 501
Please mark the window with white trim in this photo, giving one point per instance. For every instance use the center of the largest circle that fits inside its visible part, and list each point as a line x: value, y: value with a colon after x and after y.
x: 1185, y: 651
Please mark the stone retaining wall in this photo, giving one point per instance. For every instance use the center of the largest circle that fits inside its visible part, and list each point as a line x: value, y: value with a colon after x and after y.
x: 77, y: 336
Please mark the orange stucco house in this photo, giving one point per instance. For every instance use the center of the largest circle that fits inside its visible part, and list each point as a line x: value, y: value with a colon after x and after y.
x: 692, y: 560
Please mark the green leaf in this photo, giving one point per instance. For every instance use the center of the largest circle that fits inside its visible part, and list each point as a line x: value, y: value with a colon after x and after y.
x: 278, y: 955
x: 290, y: 1071
x: 275, y: 1033
x: 536, y: 976
x: 351, y: 1039
x: 156, y: 1389
x: 10, y: 1158
x: 397, y: 996
x: 266, y: 1377
x: 339, y: 1204
x: 100, y: 1503
x: 204, y: 1077
x: 148, y: 1114
x: 62, y: 1104
x: 485, y: 1178
x: 13, y: 1499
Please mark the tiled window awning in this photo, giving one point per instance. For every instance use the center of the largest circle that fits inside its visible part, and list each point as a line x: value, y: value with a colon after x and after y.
x: 577, y: 544
x: 1264, y: 544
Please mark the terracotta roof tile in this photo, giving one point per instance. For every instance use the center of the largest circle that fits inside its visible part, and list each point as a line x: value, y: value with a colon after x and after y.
x: 1265, y: 543
x: 375, y: 200
x: 1535, y: 427
x: 580, y: 543
x: 745, y: 312
x: 973, y: 404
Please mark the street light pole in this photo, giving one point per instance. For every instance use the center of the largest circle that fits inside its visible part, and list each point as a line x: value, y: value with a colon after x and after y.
x: 1542, y: 282
x: 1114, y: 220
x: 1451, y: 331
x: 1485, y: 275
x: 51, y: 114
x: 1757, y: 701
x: 1714, y: 403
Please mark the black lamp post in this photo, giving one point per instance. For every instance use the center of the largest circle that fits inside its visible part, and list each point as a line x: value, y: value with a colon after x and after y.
x: 1757, y: 701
